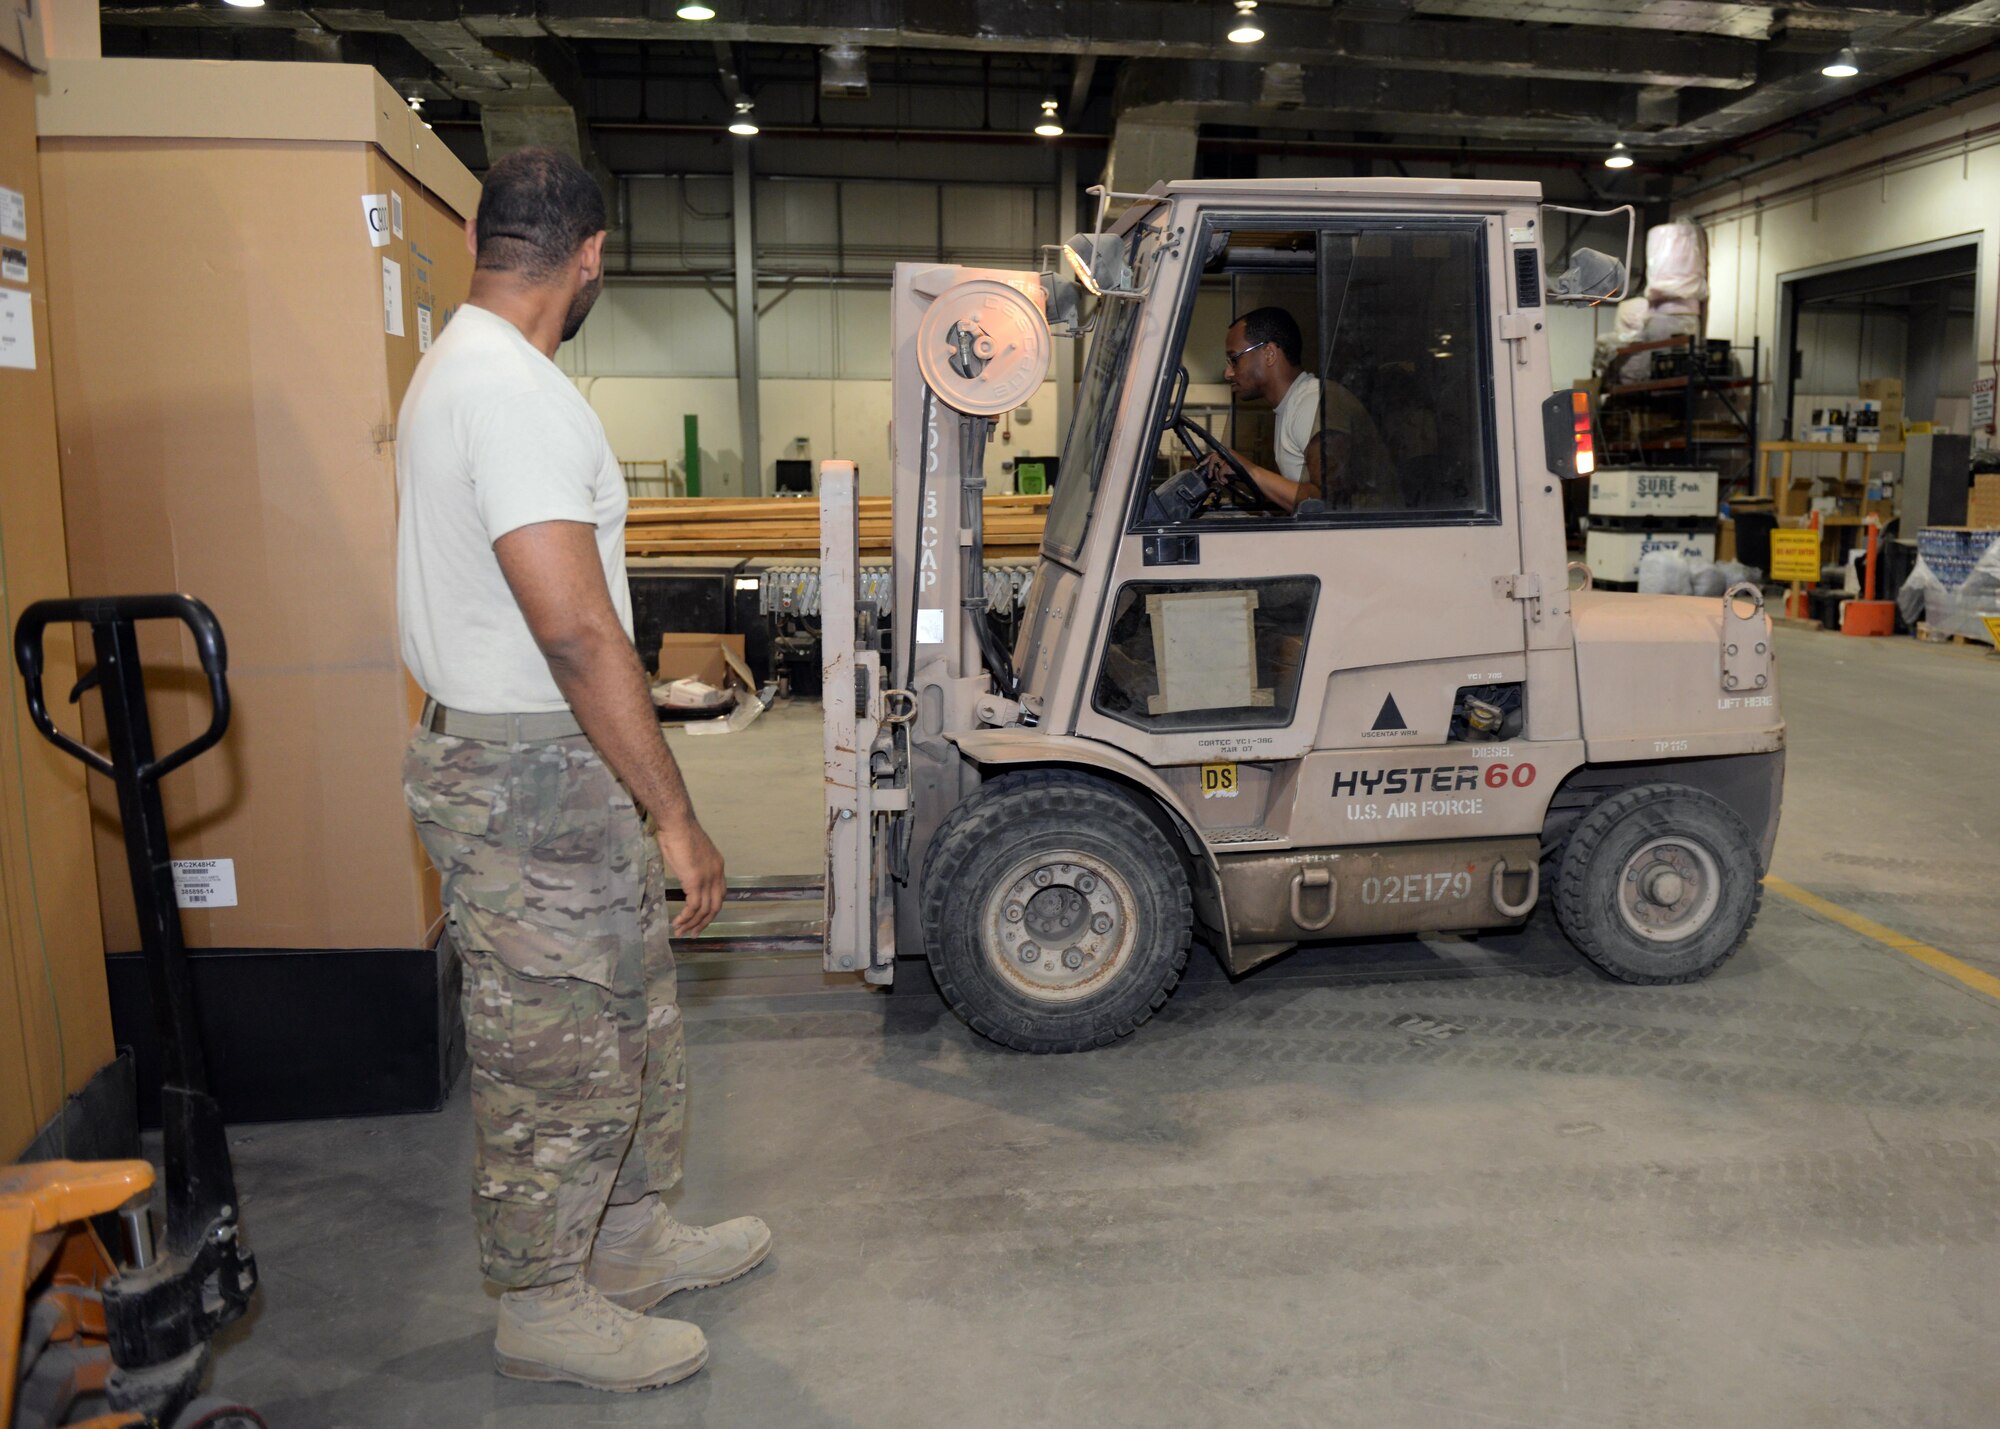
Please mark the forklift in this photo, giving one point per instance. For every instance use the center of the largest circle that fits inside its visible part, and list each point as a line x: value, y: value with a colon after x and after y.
x: 1390, y: 710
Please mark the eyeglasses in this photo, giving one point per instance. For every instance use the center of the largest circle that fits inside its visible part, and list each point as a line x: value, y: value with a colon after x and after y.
x: 1230, y: 359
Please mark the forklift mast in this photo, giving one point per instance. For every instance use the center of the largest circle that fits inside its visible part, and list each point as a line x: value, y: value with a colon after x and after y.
x: 970, y: 344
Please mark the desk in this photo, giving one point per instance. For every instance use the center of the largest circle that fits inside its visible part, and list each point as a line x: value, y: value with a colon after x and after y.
x: 1784, y: 451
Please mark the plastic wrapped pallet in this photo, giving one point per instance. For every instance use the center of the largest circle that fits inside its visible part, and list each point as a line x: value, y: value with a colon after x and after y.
x: 1676, y: 263
x: 1948, y: 612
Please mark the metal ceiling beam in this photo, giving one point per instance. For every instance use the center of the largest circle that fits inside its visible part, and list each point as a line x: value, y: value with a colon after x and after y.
x: 1337, y: 97
x: 1139, y: 29
x: 1791, y: 82
x: 1165, y: 29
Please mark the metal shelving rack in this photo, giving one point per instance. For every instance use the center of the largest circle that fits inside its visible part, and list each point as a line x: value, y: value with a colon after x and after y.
x: 1687, y: 449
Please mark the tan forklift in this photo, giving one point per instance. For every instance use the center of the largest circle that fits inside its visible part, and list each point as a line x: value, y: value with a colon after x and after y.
x: 1378, y: 710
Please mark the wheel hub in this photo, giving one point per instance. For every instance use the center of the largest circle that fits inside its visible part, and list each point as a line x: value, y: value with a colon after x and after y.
x: 1669, y: 889
x: 1059, y: 925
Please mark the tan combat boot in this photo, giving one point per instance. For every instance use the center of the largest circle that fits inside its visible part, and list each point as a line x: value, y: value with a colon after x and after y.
x: 639, y: 1265
x: 571, y: 1333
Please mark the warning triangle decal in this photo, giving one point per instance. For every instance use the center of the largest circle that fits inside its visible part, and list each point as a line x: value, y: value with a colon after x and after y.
x: 1390, y: 717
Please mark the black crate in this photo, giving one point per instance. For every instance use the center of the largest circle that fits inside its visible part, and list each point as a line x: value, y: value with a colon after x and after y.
x: 302, y: 1034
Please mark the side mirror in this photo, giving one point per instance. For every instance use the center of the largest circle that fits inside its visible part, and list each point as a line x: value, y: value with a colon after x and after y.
x: 1591, y: 277
x: 1594, y: 277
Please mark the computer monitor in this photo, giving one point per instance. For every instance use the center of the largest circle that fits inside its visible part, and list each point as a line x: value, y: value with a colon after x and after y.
x: 795, y: 477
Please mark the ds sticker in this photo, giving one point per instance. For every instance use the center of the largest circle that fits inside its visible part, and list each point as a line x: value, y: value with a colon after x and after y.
x: 1218, y: 781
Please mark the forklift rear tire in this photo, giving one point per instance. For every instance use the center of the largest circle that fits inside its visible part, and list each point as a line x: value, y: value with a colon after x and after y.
x: 1659, y: 884
x: 1057, y: 914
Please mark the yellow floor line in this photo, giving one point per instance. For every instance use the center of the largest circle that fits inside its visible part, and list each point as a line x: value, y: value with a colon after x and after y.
x: 1924, y: 953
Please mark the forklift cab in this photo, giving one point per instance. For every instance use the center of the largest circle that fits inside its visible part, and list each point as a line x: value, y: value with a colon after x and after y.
x: 1233, y: 631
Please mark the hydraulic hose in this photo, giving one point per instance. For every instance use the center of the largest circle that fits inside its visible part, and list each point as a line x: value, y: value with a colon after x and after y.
x: 978, y: 431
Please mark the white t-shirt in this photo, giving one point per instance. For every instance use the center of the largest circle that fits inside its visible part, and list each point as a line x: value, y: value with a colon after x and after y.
x: 492, y: 437
x: 1297, y: 419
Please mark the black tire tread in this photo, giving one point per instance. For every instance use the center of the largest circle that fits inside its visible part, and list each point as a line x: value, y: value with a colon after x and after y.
x: 985, y: 813
x: 1573, y: 864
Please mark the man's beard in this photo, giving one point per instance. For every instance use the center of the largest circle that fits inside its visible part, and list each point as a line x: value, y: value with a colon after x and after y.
x: 580, y: 305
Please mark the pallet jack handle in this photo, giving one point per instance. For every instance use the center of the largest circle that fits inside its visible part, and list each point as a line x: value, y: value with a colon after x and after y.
x: 165, y: 1311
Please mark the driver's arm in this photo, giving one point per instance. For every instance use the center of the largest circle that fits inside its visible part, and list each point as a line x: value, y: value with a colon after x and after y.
x: 1286, y: 494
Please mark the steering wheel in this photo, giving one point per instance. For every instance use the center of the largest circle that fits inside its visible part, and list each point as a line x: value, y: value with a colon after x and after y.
x: 1234, y: 481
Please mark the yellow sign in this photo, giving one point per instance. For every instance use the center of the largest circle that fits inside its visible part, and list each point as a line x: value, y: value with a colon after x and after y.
x: 1795, y: 555
x: 1218, y: 781
x: 1992, y: 629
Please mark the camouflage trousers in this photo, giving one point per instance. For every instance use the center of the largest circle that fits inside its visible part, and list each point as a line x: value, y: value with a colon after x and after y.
x: 555, y: 893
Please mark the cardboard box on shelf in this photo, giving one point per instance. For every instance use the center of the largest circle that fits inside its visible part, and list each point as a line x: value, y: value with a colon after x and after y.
x: 1886, y: 394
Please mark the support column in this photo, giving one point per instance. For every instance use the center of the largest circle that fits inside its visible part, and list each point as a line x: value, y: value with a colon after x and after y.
x: 746, y: 325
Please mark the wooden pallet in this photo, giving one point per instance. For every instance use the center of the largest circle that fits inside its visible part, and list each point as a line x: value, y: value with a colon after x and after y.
x: 779, y: 526
x: 1940, y: 637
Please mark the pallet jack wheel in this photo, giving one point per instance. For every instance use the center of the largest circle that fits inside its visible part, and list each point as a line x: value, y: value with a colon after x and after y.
x: 212, y: 1412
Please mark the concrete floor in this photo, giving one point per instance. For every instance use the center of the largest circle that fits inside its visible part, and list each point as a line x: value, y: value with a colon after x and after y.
x: 1442, y: 1184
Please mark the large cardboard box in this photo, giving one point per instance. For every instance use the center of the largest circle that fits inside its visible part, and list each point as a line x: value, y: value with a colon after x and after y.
x: 56, y: 1032
x: 246, y: 260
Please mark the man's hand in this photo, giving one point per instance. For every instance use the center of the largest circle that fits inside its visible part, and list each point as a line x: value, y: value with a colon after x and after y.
x: 698, y: 866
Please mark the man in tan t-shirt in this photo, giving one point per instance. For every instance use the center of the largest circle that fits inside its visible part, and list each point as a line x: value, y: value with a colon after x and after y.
x: 549, y: 802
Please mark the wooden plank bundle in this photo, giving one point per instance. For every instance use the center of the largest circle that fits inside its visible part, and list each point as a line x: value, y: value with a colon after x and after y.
x: 787, y: 526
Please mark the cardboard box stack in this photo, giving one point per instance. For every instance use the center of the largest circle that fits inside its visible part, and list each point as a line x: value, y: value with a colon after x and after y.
x: 1884, y: 397
x: 1982, y: 508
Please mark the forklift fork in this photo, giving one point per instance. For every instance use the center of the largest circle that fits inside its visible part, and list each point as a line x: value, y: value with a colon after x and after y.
x: 162, y: 1310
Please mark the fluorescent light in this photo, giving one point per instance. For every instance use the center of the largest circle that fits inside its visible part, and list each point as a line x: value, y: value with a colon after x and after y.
x: 1050, y: 127
x: 1841, y: 66
x: 1620, y: 157
x: 245, y: 4
x: 695, y: 10
x: 1247, y: 31
x: 417, y: 103
x: 744, y: 126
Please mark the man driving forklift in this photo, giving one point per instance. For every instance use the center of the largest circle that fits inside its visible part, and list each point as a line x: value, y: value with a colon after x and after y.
x: 1325, y: 443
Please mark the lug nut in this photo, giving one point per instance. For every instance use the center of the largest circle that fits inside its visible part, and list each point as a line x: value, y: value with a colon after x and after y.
x: 1085, y: 883
x: 1101, y: 923
x: 1030, y: 953
x: 1043, y: 878
x: 1013, y: 913
x: 1073, y: 958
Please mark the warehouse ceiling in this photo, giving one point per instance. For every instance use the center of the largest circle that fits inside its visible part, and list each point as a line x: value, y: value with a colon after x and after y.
x: 1156, y: 84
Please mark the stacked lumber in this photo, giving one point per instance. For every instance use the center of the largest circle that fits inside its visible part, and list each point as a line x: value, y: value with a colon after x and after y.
x: 789, y: 526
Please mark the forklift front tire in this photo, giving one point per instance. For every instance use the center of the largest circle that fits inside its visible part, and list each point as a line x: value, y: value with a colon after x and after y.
x: 1056, y: 913
x: 1658, y: 884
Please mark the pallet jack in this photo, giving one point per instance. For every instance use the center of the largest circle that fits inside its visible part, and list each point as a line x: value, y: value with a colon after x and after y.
x: 124, y: 1344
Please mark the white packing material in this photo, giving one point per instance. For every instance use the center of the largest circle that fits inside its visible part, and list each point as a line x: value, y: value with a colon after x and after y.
x: 1676, y: 262
x: 1915, y: 590
x: 1717, y: 578
x: 1665, y: 573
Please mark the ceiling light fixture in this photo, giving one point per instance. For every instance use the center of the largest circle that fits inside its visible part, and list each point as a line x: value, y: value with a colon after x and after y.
x: 245, y: 4
x: 744, y: 126
x: 1247, y: 31
x: 695, y: 10
x: 1050, y: 127
x: 417, y: 103
x: 1620, y: 157
x: 1841, y: 66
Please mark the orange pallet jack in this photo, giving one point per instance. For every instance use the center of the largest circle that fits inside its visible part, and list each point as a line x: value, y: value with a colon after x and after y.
x: 97, y: 1342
